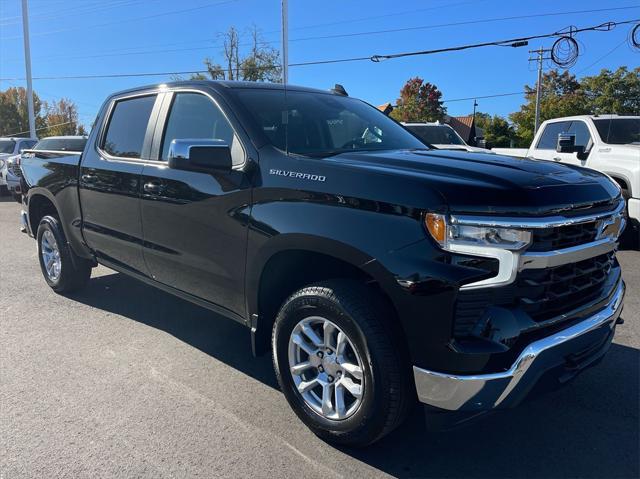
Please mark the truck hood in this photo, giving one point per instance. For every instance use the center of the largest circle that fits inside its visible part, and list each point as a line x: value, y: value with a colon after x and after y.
x: 478, y: 183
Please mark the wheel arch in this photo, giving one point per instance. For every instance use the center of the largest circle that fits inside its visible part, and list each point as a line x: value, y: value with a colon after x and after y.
x: 291, y: 262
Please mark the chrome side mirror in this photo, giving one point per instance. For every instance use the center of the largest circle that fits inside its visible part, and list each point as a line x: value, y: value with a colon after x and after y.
x: 200, y: 155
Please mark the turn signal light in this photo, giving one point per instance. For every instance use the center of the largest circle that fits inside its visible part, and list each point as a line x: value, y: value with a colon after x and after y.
x: 436, y: 226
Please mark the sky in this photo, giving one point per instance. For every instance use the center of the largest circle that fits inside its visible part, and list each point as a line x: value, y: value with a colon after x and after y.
x: 93, y: 37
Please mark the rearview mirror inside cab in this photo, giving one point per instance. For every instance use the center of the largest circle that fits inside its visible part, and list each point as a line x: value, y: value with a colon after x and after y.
x: 200, y: 155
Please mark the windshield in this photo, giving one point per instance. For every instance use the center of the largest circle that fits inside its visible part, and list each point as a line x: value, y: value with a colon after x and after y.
x: 322, y: 124
x: 61, y: 144
x: 619, y: 131
x: 7, y: 146
x: 436, y: 134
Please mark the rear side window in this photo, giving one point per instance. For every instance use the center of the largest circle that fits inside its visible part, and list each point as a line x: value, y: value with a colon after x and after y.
x: 549, y: 138
x: 127, y: 127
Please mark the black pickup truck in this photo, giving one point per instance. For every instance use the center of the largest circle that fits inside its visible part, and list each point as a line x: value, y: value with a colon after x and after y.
x: 378, y: 271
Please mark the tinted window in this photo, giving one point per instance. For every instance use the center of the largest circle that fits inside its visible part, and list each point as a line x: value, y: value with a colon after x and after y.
x: 127, y: 127
x: 7, y: 146
x: 619, y: 131
x: 195, y: 116
x: 317, y: 124
x: 549, y: 138
x: 580, y: 129
x: 61, y: 144
x: 436, y: 134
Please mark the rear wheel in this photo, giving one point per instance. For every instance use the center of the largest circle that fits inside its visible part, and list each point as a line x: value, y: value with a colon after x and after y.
x: 62, y: 269
x: 340, y: 363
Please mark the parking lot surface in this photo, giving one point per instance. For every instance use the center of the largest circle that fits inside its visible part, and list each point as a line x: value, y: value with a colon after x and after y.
x: 122, y: 380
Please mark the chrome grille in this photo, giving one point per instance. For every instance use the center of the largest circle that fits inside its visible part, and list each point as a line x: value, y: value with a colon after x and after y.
x: 14, y: 168
x: 559, y: 237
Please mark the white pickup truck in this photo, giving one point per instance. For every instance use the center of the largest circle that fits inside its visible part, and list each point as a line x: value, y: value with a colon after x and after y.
x: 607, y: 143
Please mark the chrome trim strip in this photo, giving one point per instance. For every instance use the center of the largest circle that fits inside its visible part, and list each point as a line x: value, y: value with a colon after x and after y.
x: 508, y: 262
x: 57, y: 152
x: 486, y: 391
x: 548, y: 259
x: 542, y: 222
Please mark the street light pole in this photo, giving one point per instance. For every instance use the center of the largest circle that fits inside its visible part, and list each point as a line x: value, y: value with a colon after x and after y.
x: 285, y: 41
x: 27, y: 61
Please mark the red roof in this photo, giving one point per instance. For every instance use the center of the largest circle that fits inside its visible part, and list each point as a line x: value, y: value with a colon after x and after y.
x: 463, y: 125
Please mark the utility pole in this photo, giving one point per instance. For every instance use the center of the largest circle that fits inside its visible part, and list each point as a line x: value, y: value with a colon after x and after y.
x: 27, y: 61
x: 540, y: 58
x: 285, y: 41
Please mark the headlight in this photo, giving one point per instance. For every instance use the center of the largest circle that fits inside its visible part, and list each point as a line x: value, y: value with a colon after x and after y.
x: 448, y: 235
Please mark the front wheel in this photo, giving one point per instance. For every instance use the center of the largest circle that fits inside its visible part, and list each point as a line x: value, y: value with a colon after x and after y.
x: 340, y: 363
x: 62, y: 269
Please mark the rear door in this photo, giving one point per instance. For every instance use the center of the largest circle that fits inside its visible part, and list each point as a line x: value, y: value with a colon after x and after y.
x: 110, y: 180
x: 195, y: 224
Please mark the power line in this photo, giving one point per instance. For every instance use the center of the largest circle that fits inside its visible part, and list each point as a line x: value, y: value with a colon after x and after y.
x: 603, y: 57
x: 135, y: 19
x: 42, y: 128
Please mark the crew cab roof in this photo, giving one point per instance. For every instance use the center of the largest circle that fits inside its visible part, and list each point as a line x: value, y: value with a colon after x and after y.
x: 221, y: 85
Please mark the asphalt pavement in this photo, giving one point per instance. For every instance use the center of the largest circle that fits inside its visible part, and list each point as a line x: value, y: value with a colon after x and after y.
x: 123, y: 380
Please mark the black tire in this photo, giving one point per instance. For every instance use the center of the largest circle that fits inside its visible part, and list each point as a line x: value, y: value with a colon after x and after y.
x: 74, y: 271
x: 388, y: 392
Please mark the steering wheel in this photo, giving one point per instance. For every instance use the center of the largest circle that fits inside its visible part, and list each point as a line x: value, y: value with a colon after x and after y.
x: 354, y: 143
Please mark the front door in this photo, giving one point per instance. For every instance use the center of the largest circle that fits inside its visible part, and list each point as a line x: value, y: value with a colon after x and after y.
x: 110, y: 181
x: 195, y: 231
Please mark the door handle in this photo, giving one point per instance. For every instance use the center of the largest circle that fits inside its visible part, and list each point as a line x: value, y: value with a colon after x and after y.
x: 557, y: 158
x: 153, y: 187
x: 89, y: 178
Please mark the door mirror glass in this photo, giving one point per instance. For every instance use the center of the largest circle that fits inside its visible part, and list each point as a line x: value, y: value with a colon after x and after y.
x: 200, y: 155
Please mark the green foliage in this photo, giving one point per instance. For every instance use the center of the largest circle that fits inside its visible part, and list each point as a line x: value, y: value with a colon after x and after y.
x: 259, y: 63
x: 498, y: 133
x: 62, y: 118
x: 563, y: 95
x: 613, y: 92
x: 419, y: 102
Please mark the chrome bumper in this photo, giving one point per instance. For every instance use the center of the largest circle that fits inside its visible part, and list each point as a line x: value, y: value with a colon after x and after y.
x: 504, y: 389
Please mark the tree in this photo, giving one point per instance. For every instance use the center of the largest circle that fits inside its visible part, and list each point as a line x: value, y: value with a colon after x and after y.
x: 14, y: 116
x: 59, y: 118
x: 260, y: 63
x: 562, y: 95
x: 62, y: 118
x: 613, y: 92
x: 498, y: 133
x: 419, y: 101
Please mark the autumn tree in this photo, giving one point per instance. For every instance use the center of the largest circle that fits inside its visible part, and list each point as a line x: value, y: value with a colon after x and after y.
x: 257, y: 63
x: 14, y: 116
x: 62, y: 118
x: 419, y: 101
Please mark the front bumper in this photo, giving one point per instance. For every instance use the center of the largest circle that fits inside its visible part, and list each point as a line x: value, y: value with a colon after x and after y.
x: 575, y: 347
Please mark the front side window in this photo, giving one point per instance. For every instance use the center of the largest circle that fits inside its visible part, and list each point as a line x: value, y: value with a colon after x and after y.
x: 549, y: 138
x: 7, y: 146
x: 127, y: 127
x: 619, y: 131
x: 318, y: 124
x: 195, y: 116
x: 581, y: 130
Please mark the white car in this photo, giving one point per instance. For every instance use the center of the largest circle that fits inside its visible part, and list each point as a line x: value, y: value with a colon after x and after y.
x: 10, y: 149
x: 442, y: 137
x: 607, y: 143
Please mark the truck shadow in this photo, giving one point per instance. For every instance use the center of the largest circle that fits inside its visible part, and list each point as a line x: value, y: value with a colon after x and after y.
x: 587, y: 429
